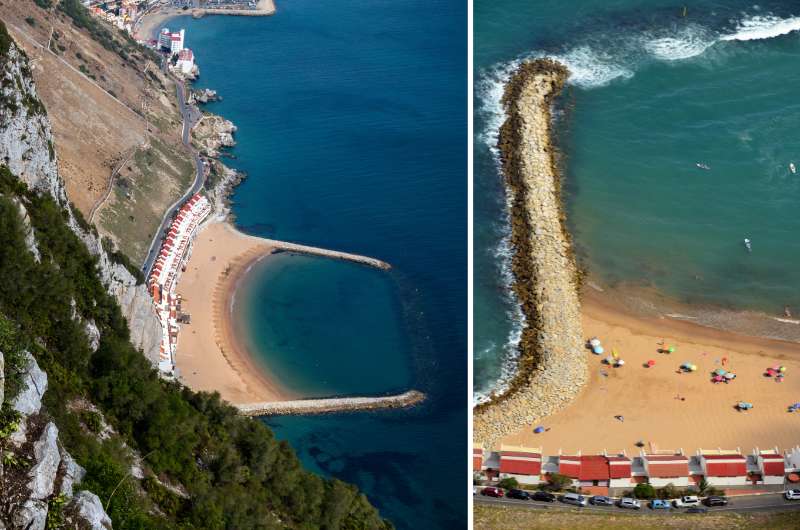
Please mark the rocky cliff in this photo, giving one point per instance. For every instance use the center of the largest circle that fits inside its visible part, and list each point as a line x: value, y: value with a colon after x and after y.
x: 38, y: 477
x: 26, y: 147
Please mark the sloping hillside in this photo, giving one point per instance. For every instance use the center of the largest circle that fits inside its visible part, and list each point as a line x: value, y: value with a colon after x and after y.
x: 115, y: 121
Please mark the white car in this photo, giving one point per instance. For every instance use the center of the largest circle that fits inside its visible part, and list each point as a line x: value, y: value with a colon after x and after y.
x: 686, y: 501
x: 792, y: 495
x: 630, y: 503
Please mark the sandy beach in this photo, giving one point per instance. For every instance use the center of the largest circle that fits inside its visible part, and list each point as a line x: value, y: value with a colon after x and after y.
x: 209, y: 357
x: 648, y: 398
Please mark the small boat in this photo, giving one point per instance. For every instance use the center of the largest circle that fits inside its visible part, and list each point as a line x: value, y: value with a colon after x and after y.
x: 792, y: 168
x: 702, y: 166
x: 748, y: 245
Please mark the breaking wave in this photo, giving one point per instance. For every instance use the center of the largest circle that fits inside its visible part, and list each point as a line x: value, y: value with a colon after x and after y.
x: 763, y: 27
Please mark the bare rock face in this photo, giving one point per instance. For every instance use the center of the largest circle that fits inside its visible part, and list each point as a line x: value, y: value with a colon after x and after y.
x: 86, y: 511
x: 32, y: 515
x: 34, y: 382
x: 26, y: 141
x: 73, y: 473
x: 48, y: 458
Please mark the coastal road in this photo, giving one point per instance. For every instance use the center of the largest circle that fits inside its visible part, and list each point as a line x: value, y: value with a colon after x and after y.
x: 190, y: 118
x: 768, y: 502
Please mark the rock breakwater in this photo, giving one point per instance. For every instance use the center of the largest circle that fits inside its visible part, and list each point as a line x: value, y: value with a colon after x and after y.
x: 552, y: 364
x: 325, y: 405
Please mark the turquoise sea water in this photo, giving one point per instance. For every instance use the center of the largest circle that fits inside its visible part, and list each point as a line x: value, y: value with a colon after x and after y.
x: 352, y: 129
x: 652, y: 92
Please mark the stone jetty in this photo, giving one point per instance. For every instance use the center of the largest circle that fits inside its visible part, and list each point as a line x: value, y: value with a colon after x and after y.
x: 552, y: 361
x: 322, y: 406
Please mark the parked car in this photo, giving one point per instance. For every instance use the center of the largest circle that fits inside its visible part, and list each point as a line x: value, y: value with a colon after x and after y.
x: 686, y: 501
x: 491, y: 491
x: 658, y: 504
x: 574, y: 498
x: 697, y: 509
x: 716, y: 500
x: 601, y: 500
x: 792, y: 495
x: 629, y: 503
x: 518, y: 494
x: 545, y: 496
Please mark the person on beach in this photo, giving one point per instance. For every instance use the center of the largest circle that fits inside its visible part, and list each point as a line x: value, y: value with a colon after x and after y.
x: 620, y: 417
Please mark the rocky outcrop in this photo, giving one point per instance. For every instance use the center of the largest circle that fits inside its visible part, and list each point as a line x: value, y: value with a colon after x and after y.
x: 322, y: 406
x: 212, y: 133
x: 73, y: 474
x: 32, y: 515
x: 86, y: 511
x: 34, y: 384
x: 43, y: 473
x: 203, y: 96
x: 552, y: 362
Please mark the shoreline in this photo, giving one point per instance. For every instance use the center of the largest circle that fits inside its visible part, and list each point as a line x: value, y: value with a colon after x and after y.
x: 150, y: 23
x: 551, y: 367
x: 211, y: 353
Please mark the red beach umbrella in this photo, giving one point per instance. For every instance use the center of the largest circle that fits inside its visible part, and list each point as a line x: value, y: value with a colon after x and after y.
x: 651, y: 363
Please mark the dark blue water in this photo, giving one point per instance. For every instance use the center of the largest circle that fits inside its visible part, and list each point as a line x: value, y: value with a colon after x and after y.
x: 352, y: 129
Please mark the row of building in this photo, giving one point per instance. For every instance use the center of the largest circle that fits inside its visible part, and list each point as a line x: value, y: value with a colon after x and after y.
x: 171, y: 261
x: 121, y: 13
x: 612, y: 474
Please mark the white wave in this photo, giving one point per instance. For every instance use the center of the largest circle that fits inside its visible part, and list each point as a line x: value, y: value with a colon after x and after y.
x: 589, y: 68
x: 691, y: 42
x: 490, y: 88
x: 763, y: 27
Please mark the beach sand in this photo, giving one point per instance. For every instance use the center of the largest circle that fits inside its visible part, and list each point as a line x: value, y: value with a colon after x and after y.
x: 209, y: 357
x: 647, y: 397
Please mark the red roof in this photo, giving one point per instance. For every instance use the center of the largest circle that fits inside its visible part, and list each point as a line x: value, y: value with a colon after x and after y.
x: 619, y: 467
x: 725, y: 465
x: 594, y: 468
x: 569, y: 466
x: 477, y: 459
x: 774, y: 468
x: 667, y: 466
x: 520, y: 463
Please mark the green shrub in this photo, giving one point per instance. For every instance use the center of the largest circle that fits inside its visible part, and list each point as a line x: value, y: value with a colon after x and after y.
x: 644, y: 491
x: 508, y: 483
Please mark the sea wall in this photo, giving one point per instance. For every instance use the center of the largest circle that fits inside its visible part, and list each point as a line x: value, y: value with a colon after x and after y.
x: 552, y: 364
x: 321, y: 406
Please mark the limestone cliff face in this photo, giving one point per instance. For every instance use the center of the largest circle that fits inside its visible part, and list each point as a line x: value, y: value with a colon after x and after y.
x: 26, y: 147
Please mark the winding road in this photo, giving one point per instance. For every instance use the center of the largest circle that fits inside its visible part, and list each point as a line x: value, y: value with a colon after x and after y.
x: 190, y: 118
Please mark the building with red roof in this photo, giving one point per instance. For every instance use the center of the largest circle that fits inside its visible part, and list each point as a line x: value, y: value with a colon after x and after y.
x: 522, y: 463
x: 477, y: 459
x: 723, y: 468
x: 666, y: 469
x: 771, y: 467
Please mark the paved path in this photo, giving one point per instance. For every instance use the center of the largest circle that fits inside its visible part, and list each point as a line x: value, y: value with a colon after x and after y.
x: 747, y: 503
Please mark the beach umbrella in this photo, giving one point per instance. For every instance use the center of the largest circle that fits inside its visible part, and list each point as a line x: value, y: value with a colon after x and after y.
x: 771, y: 372
x: 608, y: 360
x: 620, y: 362
x: 717, y: 378
x: 539, y: 429
x: 720, y: 371
x: 693, y: 368
x: 614, y: 353
x: 671, y: 349
x: 796, y: 405
x: 594, y: 343
x: 782, y: 369
x: 598, y: 350
x: 730, y: 375
x: 651, y: 363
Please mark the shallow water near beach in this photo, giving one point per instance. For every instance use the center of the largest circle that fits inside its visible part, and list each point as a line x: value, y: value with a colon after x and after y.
x: 352, y: 120
x: 653, y: 91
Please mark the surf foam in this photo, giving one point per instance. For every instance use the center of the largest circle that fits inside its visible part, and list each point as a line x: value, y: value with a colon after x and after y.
x: 761, y: 27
